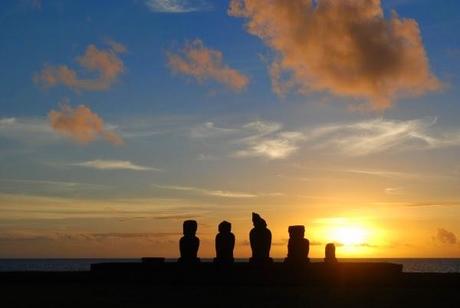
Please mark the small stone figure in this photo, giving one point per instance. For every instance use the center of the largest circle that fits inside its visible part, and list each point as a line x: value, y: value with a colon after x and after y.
x: 298, y: 246
x: 260, y: 238
x: 330, y: 254
x: 225, y: 242
x: 189, y: 243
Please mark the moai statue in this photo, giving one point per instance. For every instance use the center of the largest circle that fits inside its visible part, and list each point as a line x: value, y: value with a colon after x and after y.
x: 298, y: 245
x: 330, y: 254
x: 225, y: 242
x: 189, y: 243
x: 260, y: 238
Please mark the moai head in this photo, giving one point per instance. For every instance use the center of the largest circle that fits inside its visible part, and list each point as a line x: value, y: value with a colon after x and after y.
x: 296, y: 232
x: 225, y: 227
x: 189, y: 227
x: 258, y: 221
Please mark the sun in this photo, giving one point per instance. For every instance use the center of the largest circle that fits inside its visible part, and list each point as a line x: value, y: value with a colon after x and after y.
x: 349, y: 235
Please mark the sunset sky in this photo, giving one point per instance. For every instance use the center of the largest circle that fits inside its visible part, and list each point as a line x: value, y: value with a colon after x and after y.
x: 121, y: 119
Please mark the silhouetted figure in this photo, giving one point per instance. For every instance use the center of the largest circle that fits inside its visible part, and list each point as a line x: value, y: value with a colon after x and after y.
x: 298, y: 245
x: 330, y: 254
x: 260, y: 238
x: 189, y: 243
x: 225, y: 242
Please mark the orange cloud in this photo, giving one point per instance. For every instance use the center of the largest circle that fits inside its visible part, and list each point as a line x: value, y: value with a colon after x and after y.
x: 206, y: 64
x: 345, y: 47
x: 104, y: 62
x: 81, y: 124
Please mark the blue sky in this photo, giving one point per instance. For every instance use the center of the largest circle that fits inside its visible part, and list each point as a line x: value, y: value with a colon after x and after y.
x: 198, y: 147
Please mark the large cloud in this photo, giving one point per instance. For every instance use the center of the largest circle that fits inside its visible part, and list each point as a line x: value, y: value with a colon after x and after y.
x: 203, y: 64
x: 345, y: 47
x: 81, y: 124
x: 105, y: 63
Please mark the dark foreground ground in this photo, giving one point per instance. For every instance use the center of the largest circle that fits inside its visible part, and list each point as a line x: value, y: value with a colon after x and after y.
x: 119, y: 295
x: 80, y: 290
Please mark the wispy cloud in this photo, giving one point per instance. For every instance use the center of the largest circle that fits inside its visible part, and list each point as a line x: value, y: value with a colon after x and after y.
x: 279, y: 146
x: 255, y: 139
x: 205, y: 64
x: 105, y: 62
x: 381, y: 173
x: 379, y: 135
x: 114, y: 165
x: 27, y: 235
x: 210, y: 130
x: 177, y: 6
x: 28, y: 130
x: 81, y: 125
x: 208, y: 192
x: 394, y: 190
x: 347, y: 48
x: 270, y: 140
x: 41, y: 187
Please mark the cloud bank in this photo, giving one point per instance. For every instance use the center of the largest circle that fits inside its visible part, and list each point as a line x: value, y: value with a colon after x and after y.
x: 105, y: 63
x: 177, y: 6
x: 204, y: 64
x: 346, y: 47
x: 81, y: 124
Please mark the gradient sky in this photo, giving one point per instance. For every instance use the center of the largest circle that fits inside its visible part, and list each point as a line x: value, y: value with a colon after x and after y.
x: 118, y: 122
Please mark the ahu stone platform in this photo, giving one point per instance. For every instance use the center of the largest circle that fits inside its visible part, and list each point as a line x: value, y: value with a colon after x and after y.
x: 155, y: 270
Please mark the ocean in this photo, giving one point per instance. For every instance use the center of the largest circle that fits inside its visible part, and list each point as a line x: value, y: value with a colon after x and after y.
x: 409, y: 265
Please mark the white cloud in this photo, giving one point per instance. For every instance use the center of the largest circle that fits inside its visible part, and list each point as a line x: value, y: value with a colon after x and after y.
x: 114, y: 165
x: 208, y: 192
x: 268, y: 140
x: 255, y: 139
x: 177, y: 6
x: 279, y: 146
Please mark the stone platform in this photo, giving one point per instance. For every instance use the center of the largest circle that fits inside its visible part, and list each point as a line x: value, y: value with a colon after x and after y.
x: 241, y: 273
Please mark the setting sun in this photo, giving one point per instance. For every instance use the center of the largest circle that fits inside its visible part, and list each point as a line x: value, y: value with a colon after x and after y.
x: 349, y: 235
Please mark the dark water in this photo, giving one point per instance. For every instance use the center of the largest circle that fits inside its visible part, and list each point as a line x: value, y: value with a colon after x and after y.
x: 409, y: 265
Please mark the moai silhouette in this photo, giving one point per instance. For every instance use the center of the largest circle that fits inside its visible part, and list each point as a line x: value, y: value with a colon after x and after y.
x: 189, y: 243
x: 260, y: 238
x: 298, y: 245
x: 225, y: 242
x: 330, y: 254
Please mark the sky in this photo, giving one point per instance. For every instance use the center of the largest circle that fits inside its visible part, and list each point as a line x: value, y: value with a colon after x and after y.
x: 118, y: 121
